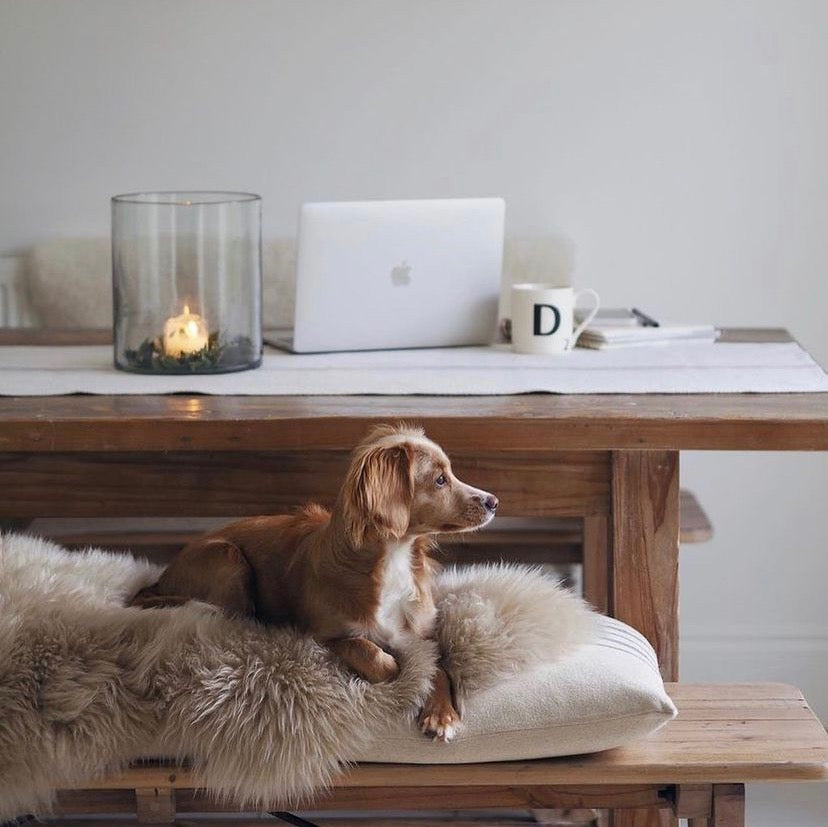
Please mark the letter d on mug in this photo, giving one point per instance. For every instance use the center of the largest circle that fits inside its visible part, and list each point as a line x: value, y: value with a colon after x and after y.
x: 542, y: 317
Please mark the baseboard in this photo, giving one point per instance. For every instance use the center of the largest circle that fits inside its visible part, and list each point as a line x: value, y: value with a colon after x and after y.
x: 811, y: 634
x: 795, y: 653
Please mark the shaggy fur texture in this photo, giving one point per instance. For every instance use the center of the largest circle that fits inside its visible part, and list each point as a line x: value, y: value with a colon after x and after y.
x: 266, y: 715
x: 497, y: 620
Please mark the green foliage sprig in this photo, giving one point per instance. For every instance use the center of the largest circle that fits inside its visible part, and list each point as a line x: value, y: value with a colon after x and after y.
x: 216, y: 356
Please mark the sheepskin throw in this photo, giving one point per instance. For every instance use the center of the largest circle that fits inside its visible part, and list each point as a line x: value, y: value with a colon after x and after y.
x: 266, y: 715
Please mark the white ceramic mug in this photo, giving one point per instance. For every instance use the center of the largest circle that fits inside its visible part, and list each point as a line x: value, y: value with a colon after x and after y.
x: 542, y: 317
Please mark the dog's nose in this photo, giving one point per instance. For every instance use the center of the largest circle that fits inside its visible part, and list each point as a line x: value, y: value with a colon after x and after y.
x: 491, y: 503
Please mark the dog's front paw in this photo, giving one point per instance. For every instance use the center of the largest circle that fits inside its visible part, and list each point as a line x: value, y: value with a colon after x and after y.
x: 439, y: 720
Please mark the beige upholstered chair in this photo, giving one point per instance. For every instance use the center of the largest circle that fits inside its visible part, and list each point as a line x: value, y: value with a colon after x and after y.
x: 68, y: 280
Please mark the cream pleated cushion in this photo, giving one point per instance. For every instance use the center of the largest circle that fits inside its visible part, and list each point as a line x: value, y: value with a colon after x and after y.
x: 604, y: 695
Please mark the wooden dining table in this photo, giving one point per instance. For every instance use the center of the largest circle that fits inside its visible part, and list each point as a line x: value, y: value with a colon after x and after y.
x: 611, y: 461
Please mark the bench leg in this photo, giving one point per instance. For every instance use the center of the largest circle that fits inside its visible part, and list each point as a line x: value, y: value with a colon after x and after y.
x: 642, y: 818
x: 155, y: 805
x: 728, y: 805
x: 727, y: 808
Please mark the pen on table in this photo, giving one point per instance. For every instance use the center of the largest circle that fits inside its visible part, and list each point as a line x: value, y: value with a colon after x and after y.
x: 646, y: 321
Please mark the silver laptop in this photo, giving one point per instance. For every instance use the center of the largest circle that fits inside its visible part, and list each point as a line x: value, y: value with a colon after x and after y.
x: 397, y: 274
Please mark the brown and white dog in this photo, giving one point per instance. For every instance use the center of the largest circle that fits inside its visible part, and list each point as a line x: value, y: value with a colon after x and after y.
x: 357, y: 578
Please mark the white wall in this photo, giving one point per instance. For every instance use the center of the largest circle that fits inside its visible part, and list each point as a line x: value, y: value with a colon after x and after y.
x: 679, y: 147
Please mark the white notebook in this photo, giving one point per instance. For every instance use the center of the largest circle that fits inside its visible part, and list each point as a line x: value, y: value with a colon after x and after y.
x: 605, y: 337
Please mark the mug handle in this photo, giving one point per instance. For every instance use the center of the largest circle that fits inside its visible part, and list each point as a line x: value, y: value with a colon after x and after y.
x: 590, y: 316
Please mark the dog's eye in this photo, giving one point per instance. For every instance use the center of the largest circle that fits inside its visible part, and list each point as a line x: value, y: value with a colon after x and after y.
x: 441, y: 480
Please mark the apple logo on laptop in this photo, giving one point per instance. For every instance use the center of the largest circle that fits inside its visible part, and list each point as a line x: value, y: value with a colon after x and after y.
x: 401, y: 274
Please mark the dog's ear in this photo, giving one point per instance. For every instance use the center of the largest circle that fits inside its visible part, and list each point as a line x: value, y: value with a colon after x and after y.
x: 377, y: 493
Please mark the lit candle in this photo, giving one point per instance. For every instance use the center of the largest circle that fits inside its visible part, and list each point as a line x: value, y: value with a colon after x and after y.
x: 185, y: 334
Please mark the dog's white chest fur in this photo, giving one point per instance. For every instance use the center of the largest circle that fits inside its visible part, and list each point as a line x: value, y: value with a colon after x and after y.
x: 399, y: 598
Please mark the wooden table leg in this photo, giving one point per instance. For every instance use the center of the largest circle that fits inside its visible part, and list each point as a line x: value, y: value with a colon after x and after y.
x: 642, y: 563
x: 155, y: 805
x: 643, y: 554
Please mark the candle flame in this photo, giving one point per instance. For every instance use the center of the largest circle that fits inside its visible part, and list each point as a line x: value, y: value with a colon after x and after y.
x: 185, y: 334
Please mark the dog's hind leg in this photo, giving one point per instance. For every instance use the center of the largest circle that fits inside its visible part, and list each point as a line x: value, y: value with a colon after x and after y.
x: 214, y: 571
x: 231, y: 582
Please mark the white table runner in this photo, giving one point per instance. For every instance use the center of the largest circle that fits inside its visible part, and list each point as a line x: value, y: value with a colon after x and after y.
x: 674, y: 368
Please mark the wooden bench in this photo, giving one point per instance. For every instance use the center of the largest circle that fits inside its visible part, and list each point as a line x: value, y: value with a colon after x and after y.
x: 695, y: 768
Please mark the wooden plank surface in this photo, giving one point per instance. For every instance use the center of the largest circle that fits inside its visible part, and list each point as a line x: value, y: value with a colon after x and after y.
x: 448, y: 819
x: 779, y: 422
x: 570, y: 483
x: 747, y: 748
x: 559, y: 546
x: 529, y: 422
x: 514, y: 797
